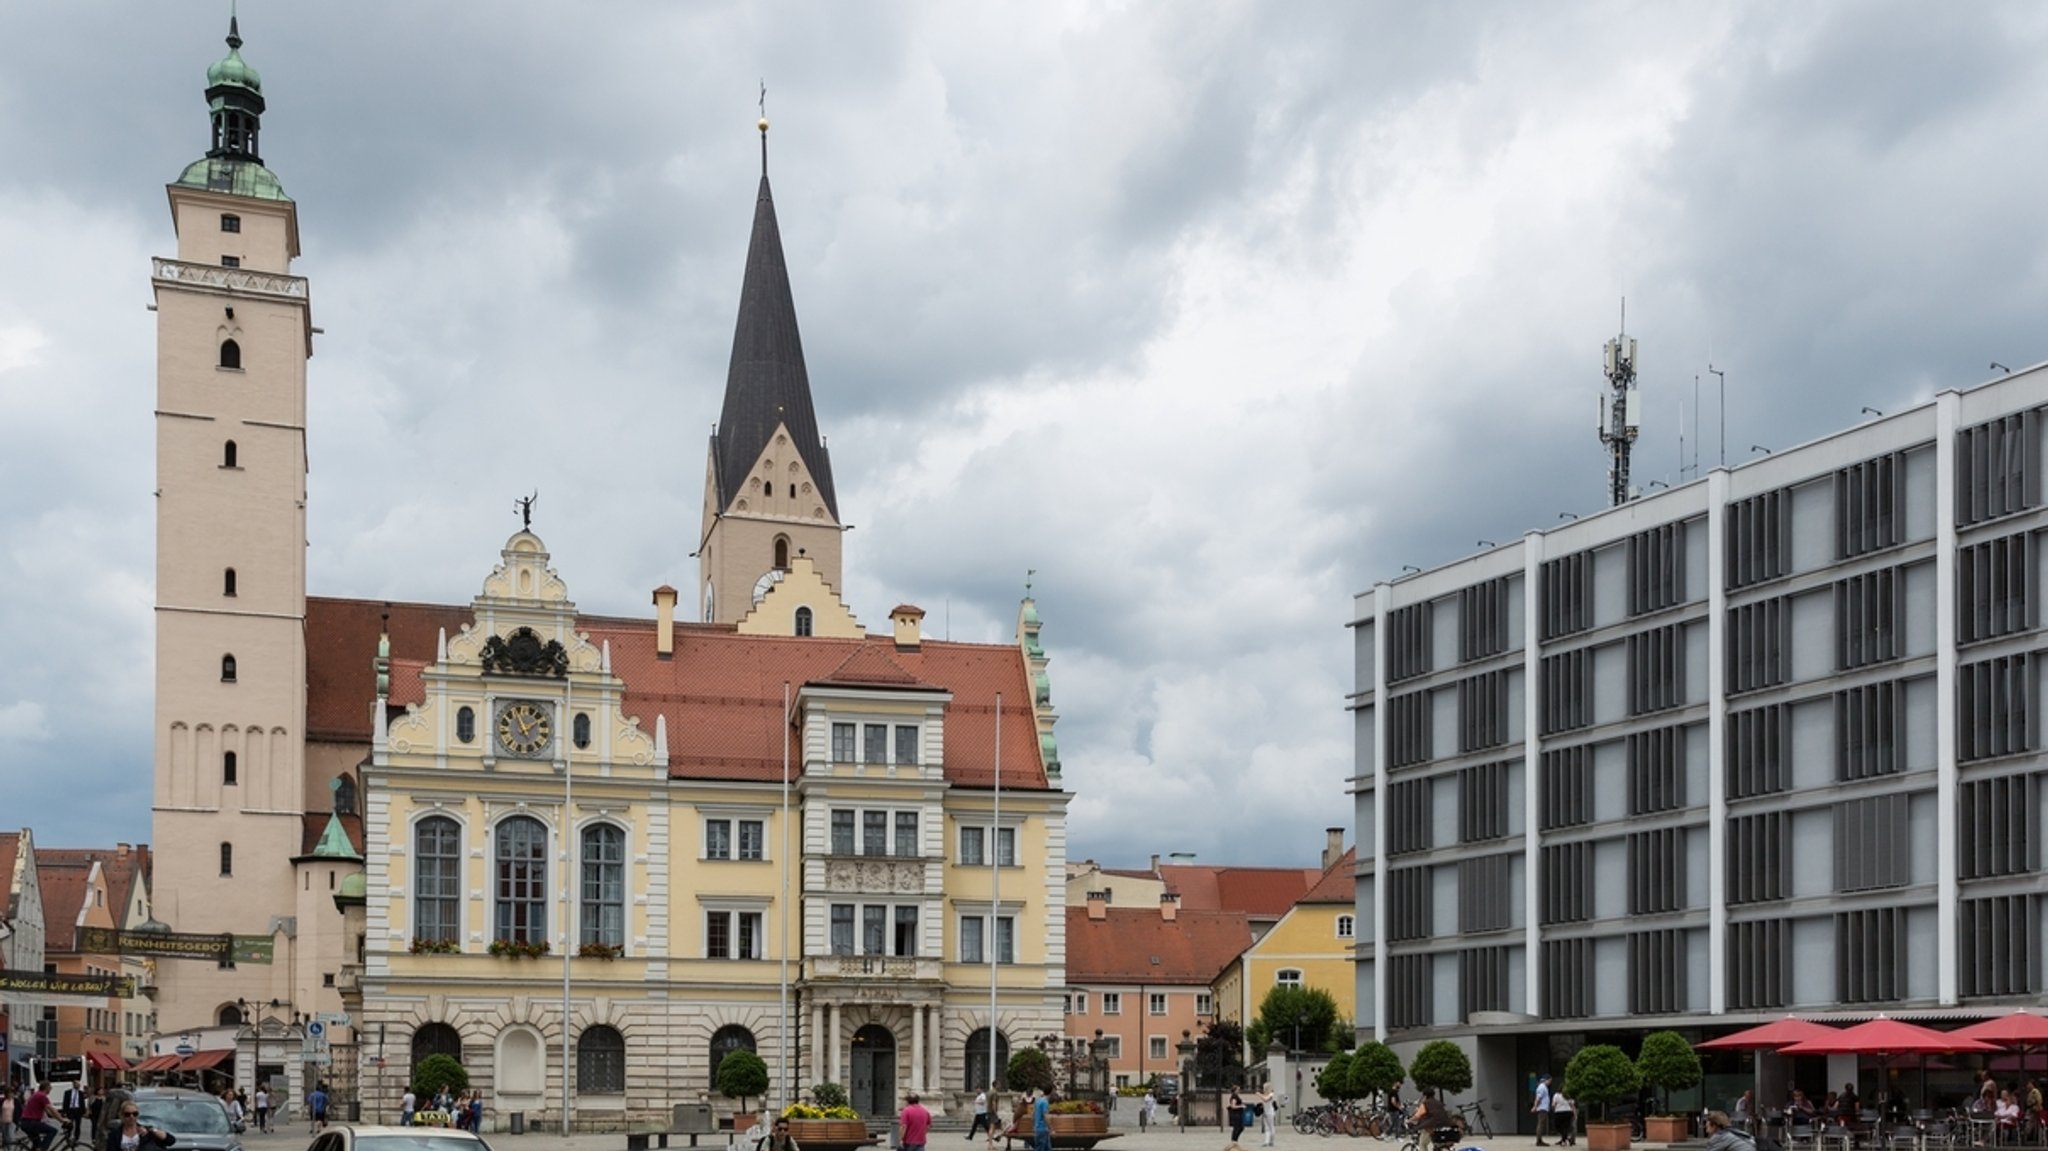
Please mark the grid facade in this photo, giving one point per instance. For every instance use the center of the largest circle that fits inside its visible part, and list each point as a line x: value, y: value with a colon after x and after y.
x: 1769, y: 741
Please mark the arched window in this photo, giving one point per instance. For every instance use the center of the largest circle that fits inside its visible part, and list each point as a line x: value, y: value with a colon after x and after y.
x: 465, y: 724
x: 604, y: 885
x: 724, y: 1042
x: 437, y: 880
x: 227, y: 768
x: 227, y: 858
x: 344, y: 794
x: 601, y: 1061
x: 1347, y: 926
x: 579, y: 729
x: 707, y: 604
x: 229, y: 1015
x: 228, y: 453
x: 1288, y: 977
x: 227, y: 582
x: 227, y: 669
x: 435, y: 1039
x: 803, y: 621
x: 781, y: 546
x: 231, y: 355
x: 978, y: 1074
x: 522, y: 881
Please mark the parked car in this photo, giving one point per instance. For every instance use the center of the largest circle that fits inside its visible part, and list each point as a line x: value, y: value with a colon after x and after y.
x: 199, y: 1120
x: 397, y: 1139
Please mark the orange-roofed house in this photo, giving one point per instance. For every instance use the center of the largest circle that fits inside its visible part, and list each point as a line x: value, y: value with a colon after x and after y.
x: 1139, y: 979
x: 1312, y: 945
x: 75, y: 895
x: 746, y: 820
x: 125, y: 870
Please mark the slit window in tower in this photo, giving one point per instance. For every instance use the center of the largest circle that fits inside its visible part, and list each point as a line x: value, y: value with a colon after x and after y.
x: 781, y: 552
x: 227, y: 669
x: 231, y: 355
x: 581, y: 729
x: 228, y: 454
x: 227, y: 582
x: 227, y: 768
x: 227, y: 859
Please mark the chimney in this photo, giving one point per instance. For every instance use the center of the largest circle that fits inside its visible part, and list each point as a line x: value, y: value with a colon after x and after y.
x: 1333, y: 846
x: 1098, y: 905
x: 1169, y: 906
x: 664, y: 621
x: 908, y: 620
x: 1155, y: 865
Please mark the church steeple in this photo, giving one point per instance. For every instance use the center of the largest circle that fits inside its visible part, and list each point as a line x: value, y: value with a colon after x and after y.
x: 234, y: 94
x: 768, y: 492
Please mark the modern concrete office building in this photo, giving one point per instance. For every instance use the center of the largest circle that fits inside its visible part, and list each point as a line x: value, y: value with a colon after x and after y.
x: 1766, y: 742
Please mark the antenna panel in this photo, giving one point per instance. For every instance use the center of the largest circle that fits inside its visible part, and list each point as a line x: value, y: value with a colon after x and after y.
x: 1635, y: 365
x: 1632, y: 411
x: 1602, y: 415
x: 1608, y: 351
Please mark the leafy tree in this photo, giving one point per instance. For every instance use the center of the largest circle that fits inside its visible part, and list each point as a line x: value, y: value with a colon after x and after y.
x: 1374, y: 1068
x: 1668, y: 1062
x: 1219, y: 1059
x: 1028, y: 1068
x: 828, y: 1095
x: 1333, y: 1082
x: 1310, y: 1009
x: 1443, y: 1065
x: 742, y: 1075
x: 1601, y: 1074
x: 438, y: 1071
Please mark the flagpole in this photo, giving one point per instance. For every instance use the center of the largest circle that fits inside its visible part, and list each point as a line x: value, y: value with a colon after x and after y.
x: 995, y: 894
x: 785, y: 895
x: 568, y: 747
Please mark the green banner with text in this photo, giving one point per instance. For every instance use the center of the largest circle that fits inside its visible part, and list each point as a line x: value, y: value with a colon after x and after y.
x: 161, y: 944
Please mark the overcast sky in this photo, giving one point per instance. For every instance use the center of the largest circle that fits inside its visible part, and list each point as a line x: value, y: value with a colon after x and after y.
x: 1213, y: 314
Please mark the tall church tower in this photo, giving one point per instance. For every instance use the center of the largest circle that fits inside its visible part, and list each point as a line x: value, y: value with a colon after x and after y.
x: 233, y: 335
x: 768, y: 494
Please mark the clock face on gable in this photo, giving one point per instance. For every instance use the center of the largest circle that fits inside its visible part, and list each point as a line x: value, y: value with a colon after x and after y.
x: 525, y: 728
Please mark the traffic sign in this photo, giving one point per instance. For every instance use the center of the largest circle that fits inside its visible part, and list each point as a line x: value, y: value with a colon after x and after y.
x: 319, y: 1058
x: 334, y: 1018
x: 317, y: 1029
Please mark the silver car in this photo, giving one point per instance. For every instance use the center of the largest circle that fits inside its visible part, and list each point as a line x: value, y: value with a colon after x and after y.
x: 200, y: 1121
x: 397, y: 1139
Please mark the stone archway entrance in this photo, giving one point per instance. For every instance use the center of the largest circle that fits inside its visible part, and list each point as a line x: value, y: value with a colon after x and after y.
x: 874, y: 1071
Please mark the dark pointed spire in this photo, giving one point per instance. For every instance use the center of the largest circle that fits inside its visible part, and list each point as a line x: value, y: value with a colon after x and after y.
x: 766, y: 383
x: 234, y: 32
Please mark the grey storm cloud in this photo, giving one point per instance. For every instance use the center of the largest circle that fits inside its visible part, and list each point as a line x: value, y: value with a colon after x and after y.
x: 1212, y: 315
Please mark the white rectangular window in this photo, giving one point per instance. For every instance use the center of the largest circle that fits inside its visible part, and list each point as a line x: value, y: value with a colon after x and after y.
x: 1006, y: 846
x: 874, y: 833
x: 970, y: 939
x: 906, y: 744
x: 1080, y: 1003
x: 842, y: 929
x: 874, y: 930
x: 906, y: 833
x: 1112, y: 1047
x: 972, y: 853
x: 718, y: 839
x: 1157, y: 1003
x: 842, y: 832
x: 1205, y: 1003
x: 874, y: 743
x: 1158, y: 1043
x: 752, y: 839
x: 1112, y: 1003
x: 974, y: 931
x: 732, y: 935
x: 842, y: 743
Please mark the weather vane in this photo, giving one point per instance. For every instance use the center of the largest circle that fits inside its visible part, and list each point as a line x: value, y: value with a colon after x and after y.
x: 525, y: 507
x: 1028, y: 573
x: 764, y: 128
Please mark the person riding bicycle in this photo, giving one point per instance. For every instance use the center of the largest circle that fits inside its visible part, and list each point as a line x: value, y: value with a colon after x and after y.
x: 1429, y: 1117
x: 34, y: 1118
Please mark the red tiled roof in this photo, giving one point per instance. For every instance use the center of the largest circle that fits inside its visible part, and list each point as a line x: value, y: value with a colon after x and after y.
x: 1261, y: 892
x: 721, y: 692
x: 10, y: 843
x: 1339, y: 884
x: 64, y: 886
x: 121, y: 867
x: 1138, y: 945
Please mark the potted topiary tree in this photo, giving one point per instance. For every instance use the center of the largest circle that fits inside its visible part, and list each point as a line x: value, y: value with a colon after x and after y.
x: 1443, y: 1065
x: 1029, y: 1067
x: 1597, y: 1076
x: 828, y: 1122
x: 742, y: 1075
x: 1667, y: 1063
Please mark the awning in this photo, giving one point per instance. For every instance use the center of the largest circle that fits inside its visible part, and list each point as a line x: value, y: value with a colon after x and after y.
x: 106, y: 1062
x: 201, y: 1060
x: 159, y: 1063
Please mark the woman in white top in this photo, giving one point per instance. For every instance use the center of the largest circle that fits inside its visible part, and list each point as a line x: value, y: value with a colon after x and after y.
x: 1564, y: 1116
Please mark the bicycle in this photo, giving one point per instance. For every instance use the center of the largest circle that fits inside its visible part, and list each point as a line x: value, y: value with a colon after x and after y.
x: 1474, y: 1115
x: 15, y: 1138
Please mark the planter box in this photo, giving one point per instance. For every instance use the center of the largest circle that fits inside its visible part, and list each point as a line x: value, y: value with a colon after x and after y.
x: 1607, y: 1137
x: 1667, y: 1128
x: 1078, y: 1124
x: 829, y: 1134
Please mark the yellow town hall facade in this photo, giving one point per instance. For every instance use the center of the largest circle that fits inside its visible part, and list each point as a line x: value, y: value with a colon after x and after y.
x: 589, y: 856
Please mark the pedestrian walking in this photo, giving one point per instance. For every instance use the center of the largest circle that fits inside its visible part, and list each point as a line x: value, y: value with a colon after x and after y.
x: 1541, y: 1109
x: 915, y: 1122
x: 316, y: 1109
x: 1565, y: 1117
x: 1234, y: 1111
x: 1268, y: 1109
x: 1041, y: 1120
x: 1146, y: 1108
x: 408, y: 1103
x: 262, y: 1107
x: 981, y: 1115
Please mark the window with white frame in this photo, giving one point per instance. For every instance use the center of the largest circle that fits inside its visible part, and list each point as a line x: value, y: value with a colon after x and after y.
x: 1112, y: 1003
x: 874, y: 833
x: 603, y: 912
x: 974, y: 936
x: 1069, y: 1008
x: 842, y: 742
x: 1205, y: 1003
x: 842, y: 929
x: 1156, y: 1003
x: 1288, y: 977
x: 437, y: 875
x: 521, y: 907
x: 873, y: 929
x: 906, y: 744
x: 874, y: 743
x: 1112, y: 1047
x: 974, y: 846
x: 1347, y: 926
x: 1080, y: 1003
x: 842, y: 832
x: 866, y: 832
x: 727, y: 838
x: 732, y: 934
x: 906, y: 833
x: 1158, y: 1045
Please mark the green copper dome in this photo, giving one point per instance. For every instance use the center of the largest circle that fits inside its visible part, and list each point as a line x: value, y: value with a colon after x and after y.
x: 1030, y: 611
x: 354, y: 886
x: 232, y: 69
x: 234, y: 177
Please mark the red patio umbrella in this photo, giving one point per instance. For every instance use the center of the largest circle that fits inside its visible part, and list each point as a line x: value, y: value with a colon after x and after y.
x: 1778, y: 1033
x: 1885, y: 1036
x: 2022, y: 1031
